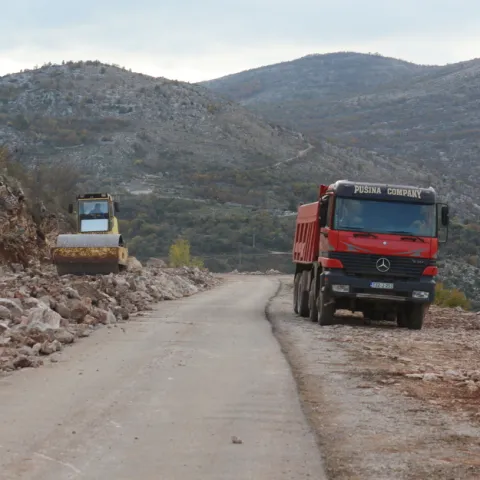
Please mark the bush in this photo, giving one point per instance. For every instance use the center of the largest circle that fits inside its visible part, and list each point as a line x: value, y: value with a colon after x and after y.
x: 450, y: 298
x: 179, y: 255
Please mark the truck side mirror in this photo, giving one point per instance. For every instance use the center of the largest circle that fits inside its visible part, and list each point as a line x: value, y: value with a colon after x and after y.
x: 445, y: 215
x: 70, y: 208
x: 116, y: 206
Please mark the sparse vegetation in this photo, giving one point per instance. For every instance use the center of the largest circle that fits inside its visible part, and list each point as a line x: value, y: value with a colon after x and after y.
x: 450, y: 297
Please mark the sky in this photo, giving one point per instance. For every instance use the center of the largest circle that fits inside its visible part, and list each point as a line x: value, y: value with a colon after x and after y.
x: 195, y: 40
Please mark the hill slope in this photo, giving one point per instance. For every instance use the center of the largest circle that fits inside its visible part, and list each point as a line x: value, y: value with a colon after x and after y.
x: 123, y: 128
x: 427, y: 116
x: 329, y: 76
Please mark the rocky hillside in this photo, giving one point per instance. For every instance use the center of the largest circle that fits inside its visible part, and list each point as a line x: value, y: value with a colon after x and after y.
x: 126, y: 129
x: 427, y: 116
x: 24, y: 239
x: 121, y: 125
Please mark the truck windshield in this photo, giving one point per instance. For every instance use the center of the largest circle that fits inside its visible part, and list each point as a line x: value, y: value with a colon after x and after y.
x: 385, y: 217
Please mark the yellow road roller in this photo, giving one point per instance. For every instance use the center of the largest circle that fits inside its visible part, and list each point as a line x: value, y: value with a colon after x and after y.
x: 97, y: 248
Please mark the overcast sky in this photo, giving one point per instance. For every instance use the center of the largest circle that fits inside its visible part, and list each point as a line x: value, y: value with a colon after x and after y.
x: 195, y: 40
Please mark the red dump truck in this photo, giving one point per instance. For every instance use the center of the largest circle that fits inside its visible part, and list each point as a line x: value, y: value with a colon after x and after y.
x: 369, y: 248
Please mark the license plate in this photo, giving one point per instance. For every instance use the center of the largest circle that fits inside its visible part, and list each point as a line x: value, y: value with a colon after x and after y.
x: 386, y: 286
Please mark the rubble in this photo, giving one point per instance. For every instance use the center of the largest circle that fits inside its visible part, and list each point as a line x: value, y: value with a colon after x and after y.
x: 440, y: 363
x: 41, y: 312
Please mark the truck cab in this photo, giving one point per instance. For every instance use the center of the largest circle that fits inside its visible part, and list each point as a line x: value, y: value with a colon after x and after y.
x: 370, y: 248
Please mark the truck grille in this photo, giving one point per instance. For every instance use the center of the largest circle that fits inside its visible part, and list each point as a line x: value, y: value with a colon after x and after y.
x: 366, y: 264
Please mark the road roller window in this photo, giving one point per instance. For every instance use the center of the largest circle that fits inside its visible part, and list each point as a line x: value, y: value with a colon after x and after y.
x: 93, y: 209
x: 93, y: 215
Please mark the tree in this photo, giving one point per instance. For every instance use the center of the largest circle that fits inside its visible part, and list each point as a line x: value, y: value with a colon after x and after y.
x: 179, y: 255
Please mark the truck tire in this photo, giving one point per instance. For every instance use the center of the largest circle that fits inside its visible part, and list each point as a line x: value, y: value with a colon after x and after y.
x: 313, y: 305
x: 415, y: 317
x: 296, y: 280
x: 325, y: 312
x: 303, y: 294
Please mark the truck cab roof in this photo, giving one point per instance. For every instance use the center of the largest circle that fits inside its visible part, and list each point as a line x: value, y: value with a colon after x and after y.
x: 383, y: 191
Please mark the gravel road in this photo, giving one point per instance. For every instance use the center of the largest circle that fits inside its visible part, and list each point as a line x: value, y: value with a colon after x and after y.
x: 196, y: 389
x: 200, y: 388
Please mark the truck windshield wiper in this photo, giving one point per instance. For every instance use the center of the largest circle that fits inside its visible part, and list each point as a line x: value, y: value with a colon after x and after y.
x: 409, y: 236
x: 365, y: 234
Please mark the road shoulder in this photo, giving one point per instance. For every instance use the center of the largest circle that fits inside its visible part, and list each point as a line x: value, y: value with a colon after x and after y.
x: 368, y: 430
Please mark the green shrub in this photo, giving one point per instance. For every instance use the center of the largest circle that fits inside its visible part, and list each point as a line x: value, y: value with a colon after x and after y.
x: 450, y: 298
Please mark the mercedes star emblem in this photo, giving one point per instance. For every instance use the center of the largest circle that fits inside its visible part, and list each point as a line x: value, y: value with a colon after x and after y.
x: 383, y: 265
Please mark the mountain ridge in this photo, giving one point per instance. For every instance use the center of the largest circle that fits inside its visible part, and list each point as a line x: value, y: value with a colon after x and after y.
x: 427, y: 117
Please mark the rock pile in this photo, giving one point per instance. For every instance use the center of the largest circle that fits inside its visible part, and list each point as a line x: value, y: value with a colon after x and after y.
x: 267, y: 272
x: 41, y: 312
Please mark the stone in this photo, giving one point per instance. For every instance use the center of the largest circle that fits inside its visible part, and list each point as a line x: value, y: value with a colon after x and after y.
x: 133, y: 265
x: 5, y: 313
x: 44, y: 318
x: 24, y: 361
x: 72, y: 293
x: 78, y: 309
x: 64, y: 337
x: 31, y: 302
x: 3, y: 328
x: 48, y: 348
x: 14, y: 306
x: 89, y: 320
x: 63, y: 310
x: 48, y: 301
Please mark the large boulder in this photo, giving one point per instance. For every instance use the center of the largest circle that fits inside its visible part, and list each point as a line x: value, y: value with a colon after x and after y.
x: 14, y: 306
x: 43, y: 318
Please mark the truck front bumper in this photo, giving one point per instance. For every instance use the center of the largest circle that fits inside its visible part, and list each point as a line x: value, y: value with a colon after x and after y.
x: 336, y: 284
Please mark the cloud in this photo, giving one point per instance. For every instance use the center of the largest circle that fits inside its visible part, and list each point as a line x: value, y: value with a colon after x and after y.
x: 193, y: 40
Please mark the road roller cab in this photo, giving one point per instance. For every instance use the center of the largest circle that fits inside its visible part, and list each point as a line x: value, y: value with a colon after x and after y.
x: 97, y: 247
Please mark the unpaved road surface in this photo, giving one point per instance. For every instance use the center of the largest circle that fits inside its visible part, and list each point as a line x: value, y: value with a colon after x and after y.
x: 388, y: 403
x: 161, y: 398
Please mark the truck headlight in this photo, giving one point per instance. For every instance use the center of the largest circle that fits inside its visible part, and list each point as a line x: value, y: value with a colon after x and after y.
x: 420, y: 295
x: 341, y: 288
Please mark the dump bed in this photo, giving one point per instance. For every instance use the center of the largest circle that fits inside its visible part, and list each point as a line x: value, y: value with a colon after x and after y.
x: 307, y: 233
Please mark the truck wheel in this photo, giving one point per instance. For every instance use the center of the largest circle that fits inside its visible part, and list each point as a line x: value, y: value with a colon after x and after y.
x: 303, y: 294
x: 296, y: 280
x: 325, y: 312
x: 313, y: 306
x: 415, y: 317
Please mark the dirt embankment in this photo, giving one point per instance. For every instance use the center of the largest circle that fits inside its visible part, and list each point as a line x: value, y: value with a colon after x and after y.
x: 388, y: 403
x: 24, y: 240
x: 41, y: 312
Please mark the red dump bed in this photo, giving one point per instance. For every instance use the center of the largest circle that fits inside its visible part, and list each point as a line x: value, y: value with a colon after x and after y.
x: 307, y: 234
